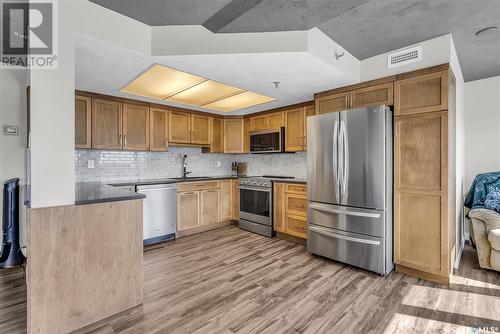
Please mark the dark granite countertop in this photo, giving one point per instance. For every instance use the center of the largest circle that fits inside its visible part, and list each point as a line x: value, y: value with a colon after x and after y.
x: 300, y: 181
x: 95, y: 192
x: 147, y: 182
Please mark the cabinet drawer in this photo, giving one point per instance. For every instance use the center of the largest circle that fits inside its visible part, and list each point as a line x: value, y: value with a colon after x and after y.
x: 190, y: 186
x: 296, y: 204
x: 296, y: 226
x: 296, y: 189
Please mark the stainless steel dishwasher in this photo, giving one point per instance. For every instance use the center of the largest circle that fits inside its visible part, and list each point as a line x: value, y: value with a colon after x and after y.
x: 159, y: 212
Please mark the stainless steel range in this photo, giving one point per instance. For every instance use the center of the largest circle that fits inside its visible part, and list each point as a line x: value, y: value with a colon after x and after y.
x: 256, y: 204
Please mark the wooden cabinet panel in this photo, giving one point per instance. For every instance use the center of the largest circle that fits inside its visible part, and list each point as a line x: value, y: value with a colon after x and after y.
x: 158, y: 129
x: 209, y: 206
x: 421, y: 94
x: 309, y: 111
x: 236, y: 200
x: 294, y: 129
x: 200, y: 129
x: 373, y: 95
x: 275, y: 120
x: 296, y: 226
x: 188, y: 210
x: 420, y: 151
x: 279, y: 207
x: 233, y: 135
x: 332, y: 103
x: 296, y: 188
x: 296, y: 204
x: 418, y: 230
x: 258, y: 123
x: 83, y: 122
x: 225, y: 200
x: 135, y: 127
x: 217, y: 145
x: 179, y: 127
x: 106, y: 124
x: 246, y: 134
x: 196, y: 186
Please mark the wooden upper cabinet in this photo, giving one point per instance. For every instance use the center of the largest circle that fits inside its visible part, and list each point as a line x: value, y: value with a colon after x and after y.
x: 217, y: 131
x: 258, y: 123
x: 233, y: 135
x: 106, y: 124
x: 294, y: 134
x: 83, y: 122
x: 135, y: 127
x: 267, y: 121
x: 309, y: 111
x: 332, y: 103
x: 200, y: 129
x: 421, y: 94
x: 373, y: 95
x: 179, y: 127
x: 246, y: 135
x: 158, y: 129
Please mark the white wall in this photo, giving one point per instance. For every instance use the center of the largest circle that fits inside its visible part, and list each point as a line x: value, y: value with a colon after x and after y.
x: 52, y: 97
x: 482, y: 127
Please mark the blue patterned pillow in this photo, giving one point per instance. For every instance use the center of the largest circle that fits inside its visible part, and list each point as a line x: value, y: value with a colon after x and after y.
x: 492, y: 201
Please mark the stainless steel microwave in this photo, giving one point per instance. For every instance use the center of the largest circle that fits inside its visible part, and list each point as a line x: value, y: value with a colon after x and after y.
x: 267, y: 141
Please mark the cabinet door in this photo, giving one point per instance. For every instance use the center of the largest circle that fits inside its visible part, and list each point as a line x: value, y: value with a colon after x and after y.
x: 332, y: 103
x: 106, y: 124
x: 179, y: 127
x: 188, y: 206
x: 246, y: 134
x: 209, y: 212
x: 275, y: 120
x: 233, y: 135
x: 258, y: 122
x: 296, y: 226
x: 421, y: 94
x: 135, y: 127
x: 225, y: 200
x: 236, y: 200
x: 373, y: 95
x: 279, y: 207
x: 294, y: 129
x: 296, y: 204
x: 309, y: 111
x: 83, y: 122
x: 200, y: 129
x: 420, y: 192
x: 158, y: 129
x: 217, y: 145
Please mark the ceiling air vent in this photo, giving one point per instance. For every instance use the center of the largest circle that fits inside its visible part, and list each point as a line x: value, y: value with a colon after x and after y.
x: 405, y: 57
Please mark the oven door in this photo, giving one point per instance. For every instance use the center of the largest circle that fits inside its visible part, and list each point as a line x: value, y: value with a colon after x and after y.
x: 266, y: 141
x: 256, y: 204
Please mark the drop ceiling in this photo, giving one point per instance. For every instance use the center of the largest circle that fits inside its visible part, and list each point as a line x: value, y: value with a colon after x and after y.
x: 364, y: 27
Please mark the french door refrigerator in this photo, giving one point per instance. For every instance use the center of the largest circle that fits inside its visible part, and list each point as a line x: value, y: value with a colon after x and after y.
x: 349, y: 182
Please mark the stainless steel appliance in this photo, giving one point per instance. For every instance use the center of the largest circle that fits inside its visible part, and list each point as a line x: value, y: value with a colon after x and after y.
x: 159, y: 212
x: 349, y: 182
x: 267, y: 141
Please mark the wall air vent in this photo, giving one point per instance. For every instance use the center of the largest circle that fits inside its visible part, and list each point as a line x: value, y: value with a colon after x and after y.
x: 405, y: 57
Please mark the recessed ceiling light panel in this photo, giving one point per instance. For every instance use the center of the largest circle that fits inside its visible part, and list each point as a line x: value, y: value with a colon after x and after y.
x: 160, y: 82
x: 204, y: 93
x: 239, y: 101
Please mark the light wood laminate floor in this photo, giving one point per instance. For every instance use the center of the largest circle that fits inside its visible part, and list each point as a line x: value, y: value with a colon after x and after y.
x: 232, y: 281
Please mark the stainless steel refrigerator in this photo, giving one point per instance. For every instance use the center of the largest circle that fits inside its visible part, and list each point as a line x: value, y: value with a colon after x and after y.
x: 349, y: 182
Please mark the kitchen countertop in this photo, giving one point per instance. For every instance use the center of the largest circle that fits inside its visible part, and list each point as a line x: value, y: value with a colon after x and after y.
x: 300, y: 181
x: 148, y: 182
x: 95, y: 192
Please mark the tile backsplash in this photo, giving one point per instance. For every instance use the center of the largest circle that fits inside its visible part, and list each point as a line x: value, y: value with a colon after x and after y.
x: 129, y: 165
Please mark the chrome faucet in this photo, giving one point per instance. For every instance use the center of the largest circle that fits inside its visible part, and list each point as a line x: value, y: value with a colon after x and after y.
x: 184, y: 166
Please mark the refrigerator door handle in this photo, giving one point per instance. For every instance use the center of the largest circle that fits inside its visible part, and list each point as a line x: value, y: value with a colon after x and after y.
x: 345, y: 158
x: 335, y: 161
x: 344, y: 212
x: 324, y: 231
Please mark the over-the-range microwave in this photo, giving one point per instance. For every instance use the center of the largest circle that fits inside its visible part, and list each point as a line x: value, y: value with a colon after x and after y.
x: 267, y: 141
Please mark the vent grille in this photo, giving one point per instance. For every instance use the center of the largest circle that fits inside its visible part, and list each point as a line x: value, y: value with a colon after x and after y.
x: 405, y: 57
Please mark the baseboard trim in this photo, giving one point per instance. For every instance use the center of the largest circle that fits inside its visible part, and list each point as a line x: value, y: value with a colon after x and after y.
x: 201, y: 229
x: 423, y: 275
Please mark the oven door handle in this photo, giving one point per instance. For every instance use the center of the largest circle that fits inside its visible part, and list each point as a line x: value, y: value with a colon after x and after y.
x: 256, y: 189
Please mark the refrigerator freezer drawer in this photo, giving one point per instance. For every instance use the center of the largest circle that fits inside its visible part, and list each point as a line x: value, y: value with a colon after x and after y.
x: 354, y: 249
x: 364, y: 221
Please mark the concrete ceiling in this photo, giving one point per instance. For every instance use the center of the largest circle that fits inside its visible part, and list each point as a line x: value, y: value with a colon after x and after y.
x: 364, y: 27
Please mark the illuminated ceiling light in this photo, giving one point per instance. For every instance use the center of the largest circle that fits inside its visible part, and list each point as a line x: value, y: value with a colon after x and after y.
x: 239, y: 101
x: 159, y: 82
x: 205, y: 93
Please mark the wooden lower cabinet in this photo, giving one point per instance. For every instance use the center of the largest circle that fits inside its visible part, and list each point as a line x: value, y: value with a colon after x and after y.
x: 209, y: 206
x: 290, y: 209
x: 225, y: 200
x: 235, y: 194
x: 188, y: 214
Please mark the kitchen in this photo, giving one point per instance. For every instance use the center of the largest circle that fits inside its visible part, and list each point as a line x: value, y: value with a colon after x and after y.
x: 243, y: 181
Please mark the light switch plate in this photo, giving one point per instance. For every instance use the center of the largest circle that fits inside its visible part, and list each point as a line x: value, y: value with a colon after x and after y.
x: 11, y: 130
x: 218, y: 163
x: 90, y: 164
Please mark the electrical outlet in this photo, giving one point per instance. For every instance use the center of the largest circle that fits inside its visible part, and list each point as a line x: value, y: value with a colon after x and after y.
x: 90, y: 164
x: 218, y: 163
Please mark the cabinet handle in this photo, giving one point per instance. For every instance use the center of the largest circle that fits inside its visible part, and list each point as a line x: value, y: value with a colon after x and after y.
x: 189, y: 193
x: 125, y: 139
x: 120, y: 139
